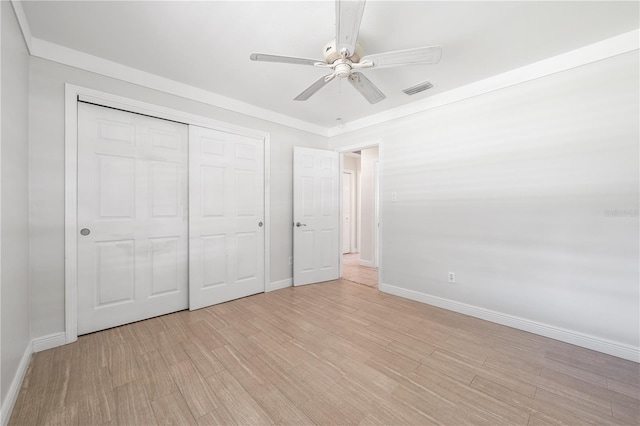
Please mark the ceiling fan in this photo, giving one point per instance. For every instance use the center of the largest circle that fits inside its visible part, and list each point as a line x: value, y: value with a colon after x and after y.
x: 344, y: 55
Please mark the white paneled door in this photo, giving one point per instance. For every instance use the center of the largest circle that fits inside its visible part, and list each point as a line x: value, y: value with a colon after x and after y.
x: 316, y: 216
x: 347, y: 219
x: 226, y: 205
x: 132, y: 217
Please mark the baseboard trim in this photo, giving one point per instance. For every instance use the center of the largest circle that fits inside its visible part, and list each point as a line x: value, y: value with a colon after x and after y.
x: 277, y: 285
x: 619, y: 350
x: 367, y: 263
x: 16, y: 384
x: 48, y: 342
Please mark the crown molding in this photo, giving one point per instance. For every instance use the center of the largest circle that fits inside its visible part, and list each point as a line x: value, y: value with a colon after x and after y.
x: 66, y: 56
x: 22, y: 21
x: 607, y: 48
x: 57, y: 53
x: 63, y: 55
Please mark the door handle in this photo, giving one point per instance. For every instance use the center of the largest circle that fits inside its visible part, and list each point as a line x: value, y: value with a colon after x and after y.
x: 85, y: 231
x: 298, y: 224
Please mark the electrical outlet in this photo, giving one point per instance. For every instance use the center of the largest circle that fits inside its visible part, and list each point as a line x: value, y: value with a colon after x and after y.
x: 452, y: 277
x: 290, y: 260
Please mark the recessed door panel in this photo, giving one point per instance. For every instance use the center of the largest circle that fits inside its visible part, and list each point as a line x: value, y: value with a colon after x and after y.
x: 326, y: 240
x: 247, y: 244
x: 306, y: 161
x: 214, y: 269
x: 164, y: 179
x: 307, y: 245
x: 165, y: 265
x: 116, y: 132
x: 213, y: 146
x: 245, y: 192
x: 327, y: 198
x: 246, y: 152
x: 116, y: 187
x: 213, y: 190
x: 307, y: 195
x: 115, y: 272
x: 162, y: 140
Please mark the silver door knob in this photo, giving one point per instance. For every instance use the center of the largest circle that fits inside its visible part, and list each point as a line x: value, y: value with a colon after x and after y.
x: 298, y: 224
x: 85, y: 231
x: 260, y: 224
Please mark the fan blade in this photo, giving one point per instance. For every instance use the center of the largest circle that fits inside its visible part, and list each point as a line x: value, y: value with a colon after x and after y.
x: 366, y: 87
x: 311, y: 90
x: 283, y: 59
x: 419, y: 55
x: 348, y: 18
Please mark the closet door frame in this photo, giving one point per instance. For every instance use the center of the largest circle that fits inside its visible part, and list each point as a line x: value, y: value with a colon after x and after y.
x: 73, y: 94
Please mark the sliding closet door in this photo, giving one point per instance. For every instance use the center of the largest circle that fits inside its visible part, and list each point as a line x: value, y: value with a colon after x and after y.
x: 132, y: 217
x: 226, y: 214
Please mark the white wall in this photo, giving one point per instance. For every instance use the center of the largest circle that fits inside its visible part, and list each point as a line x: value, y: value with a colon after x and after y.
x: 368, y: 160
x: 512, y: 191
x: 508, y: 189
x: 15, y: 332
x: 46, y: 157
x: 353, y: 163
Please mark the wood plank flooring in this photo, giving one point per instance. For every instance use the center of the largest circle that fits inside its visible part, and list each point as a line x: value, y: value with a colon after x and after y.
x: 331, y: 353
x: 353, y: 271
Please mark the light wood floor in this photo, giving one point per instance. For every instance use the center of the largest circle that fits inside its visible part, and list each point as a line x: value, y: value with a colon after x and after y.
x: 353, y: 271
x: 332, y: 353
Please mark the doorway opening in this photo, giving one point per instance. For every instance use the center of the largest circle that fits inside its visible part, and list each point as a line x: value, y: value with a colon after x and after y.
x: 360, y: 217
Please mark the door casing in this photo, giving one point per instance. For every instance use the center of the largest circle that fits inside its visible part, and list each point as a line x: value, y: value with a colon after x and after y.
x: 358, y: 147
x: 74, y: 93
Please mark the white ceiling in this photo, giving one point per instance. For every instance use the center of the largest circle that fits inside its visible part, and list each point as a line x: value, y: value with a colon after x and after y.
x: 207, y: 44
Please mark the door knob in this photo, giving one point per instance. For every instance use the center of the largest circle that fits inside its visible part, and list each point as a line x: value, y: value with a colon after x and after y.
x: 85, y: 231
x: 260, y: 224
x: 298, y: 224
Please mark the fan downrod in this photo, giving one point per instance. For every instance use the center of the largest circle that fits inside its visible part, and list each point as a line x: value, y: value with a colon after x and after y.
x: 331, y: 55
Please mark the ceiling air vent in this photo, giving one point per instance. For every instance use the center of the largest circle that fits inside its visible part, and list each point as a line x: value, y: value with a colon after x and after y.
x: 421, y: 87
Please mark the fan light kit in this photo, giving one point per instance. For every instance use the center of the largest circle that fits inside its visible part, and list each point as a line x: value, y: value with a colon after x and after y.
x: 344, y: 55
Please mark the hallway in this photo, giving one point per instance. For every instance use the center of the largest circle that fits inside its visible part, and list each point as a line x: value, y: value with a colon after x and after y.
x: 354, y: 272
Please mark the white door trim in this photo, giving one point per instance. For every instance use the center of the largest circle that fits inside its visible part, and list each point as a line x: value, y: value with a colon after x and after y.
x: 358, y: 147
x: 74, y: 93
x: 376, y: 216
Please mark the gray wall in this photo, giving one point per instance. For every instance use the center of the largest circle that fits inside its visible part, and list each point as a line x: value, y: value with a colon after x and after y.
x: 46, y: 165
x: 15, y: 208
x: 514, y: 191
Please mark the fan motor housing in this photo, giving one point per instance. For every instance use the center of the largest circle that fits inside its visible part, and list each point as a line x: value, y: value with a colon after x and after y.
x: 331, y: 55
